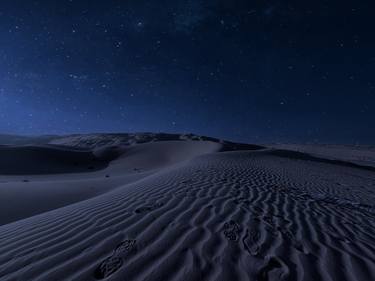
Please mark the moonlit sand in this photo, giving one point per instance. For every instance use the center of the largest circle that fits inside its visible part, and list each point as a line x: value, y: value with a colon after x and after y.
x: 182, y: 207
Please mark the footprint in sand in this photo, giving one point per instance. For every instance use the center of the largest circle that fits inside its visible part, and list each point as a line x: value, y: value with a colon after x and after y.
x: 231, y: 230
x: 251, y: 242
x: 273, y: 270
x: 125, y: 246
x: 108, y: 267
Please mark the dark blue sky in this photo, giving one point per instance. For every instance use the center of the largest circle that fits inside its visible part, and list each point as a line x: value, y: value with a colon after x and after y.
x: 255, y: 71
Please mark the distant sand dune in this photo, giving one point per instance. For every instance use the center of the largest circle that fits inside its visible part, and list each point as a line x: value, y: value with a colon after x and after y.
x: 183, y: 211
x: 25, y: 160
x: 358, y: 154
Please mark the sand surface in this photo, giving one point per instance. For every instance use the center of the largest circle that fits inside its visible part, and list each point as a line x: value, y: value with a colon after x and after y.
x: 187, y: 210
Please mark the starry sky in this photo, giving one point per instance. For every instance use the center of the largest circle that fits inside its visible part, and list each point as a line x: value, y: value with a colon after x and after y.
x: 252, y: 71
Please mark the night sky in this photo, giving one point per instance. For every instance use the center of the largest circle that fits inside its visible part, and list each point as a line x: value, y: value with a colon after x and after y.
x: 254, y: 71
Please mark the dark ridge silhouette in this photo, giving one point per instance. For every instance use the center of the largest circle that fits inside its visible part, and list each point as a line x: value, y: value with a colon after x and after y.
x: 28, y: 160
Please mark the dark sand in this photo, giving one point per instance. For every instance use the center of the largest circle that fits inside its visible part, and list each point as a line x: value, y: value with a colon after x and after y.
x: 183, y: 210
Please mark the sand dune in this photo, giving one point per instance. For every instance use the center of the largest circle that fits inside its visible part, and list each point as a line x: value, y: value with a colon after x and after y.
x: 183, y: 210
x: 72, y: 175
x: 25, y: 160
x: 358, y: 154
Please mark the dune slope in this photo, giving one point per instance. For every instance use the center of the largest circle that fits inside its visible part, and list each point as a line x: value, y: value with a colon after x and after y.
x: 245, y: 215
x: 73, y: 175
